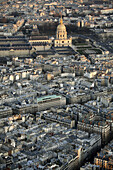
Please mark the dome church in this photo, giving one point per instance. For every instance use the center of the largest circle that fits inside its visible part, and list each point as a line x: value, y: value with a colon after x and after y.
x: 61, y: 36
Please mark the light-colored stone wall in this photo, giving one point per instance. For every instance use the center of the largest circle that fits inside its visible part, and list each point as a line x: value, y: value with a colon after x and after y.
x: 63, y: 42
x: 40, y: 41
x: 15, y: 52
x: 42, y: 48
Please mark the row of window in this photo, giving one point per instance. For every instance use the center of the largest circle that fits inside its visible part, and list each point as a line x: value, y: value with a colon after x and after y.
x: 62, y: 42
x: 61, y: 35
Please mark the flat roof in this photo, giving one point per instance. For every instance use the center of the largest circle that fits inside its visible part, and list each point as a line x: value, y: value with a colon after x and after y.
x: 39, y: 99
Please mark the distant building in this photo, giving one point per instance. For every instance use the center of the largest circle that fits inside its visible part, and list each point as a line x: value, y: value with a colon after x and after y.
x: 47, y: 102
x: 43, y: 103
x: 61, y: 36
x: 61, y: 39
x: 105, y: 158
x: 103, y: 130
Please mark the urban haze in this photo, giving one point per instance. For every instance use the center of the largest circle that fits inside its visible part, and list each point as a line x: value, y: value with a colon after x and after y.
x: 56, y: 85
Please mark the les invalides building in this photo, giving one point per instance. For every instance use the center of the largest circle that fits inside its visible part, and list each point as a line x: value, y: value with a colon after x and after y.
x: 61, y: 36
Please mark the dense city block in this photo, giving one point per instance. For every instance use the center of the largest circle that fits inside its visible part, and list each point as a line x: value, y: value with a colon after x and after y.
x: 56, y: 85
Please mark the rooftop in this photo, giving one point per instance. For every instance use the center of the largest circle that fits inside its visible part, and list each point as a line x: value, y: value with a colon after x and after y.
x: 47, y: 98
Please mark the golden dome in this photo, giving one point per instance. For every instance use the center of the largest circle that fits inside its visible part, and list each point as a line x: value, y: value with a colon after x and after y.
x: 61, y: 33
x: 61, y: 26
